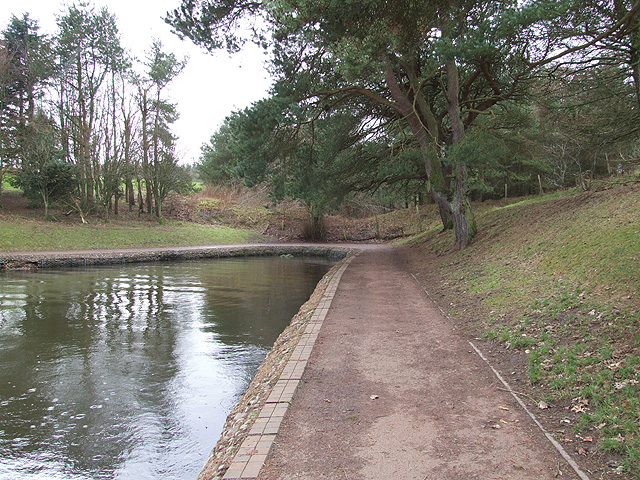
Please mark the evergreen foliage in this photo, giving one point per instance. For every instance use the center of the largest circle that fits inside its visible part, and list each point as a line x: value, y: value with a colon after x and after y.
x: 437, y: 68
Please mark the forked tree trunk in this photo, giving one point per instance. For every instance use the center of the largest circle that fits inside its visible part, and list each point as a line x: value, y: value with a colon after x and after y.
x: 457, y: 211
x: 454, y: 207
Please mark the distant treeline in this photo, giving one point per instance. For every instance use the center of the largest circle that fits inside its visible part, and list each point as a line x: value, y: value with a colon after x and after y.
x: 79, y: 123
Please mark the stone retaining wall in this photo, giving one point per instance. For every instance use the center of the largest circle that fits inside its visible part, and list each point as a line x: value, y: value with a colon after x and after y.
x: 32, y: 261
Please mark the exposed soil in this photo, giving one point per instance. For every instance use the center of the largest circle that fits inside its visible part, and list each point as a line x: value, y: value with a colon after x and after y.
x: 289, y: 221
x: 15, y: 203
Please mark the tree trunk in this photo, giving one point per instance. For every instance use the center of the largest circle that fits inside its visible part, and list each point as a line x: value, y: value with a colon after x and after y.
x: 464, y: 225
x: 314, y: 230
x: 158, y: 205
x: 149, y: 197
x: 140, y: 198
x: 45, y: 201
x: 635, y: 68
x: 131, y: 195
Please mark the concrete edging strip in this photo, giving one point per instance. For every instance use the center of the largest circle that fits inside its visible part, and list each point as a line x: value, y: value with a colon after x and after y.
x: 251, y: 455
x: 553, y: 441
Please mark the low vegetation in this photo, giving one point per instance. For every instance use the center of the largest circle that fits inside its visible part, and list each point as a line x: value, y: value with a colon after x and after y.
x: 556, y: 278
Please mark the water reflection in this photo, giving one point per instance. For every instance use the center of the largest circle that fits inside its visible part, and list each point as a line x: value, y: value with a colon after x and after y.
x: 129, y: 372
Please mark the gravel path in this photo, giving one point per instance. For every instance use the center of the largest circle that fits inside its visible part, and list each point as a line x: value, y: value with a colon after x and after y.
x: 391, y: 391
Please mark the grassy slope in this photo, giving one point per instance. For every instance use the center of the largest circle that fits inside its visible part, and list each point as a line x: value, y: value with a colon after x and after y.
x: 558, y: 277
x: 32, y: 235
x: 23, y: 229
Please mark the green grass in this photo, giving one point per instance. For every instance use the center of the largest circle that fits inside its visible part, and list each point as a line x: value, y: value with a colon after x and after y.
x: 558, y: 276
x: 6, y: 187
x: 30, y: 235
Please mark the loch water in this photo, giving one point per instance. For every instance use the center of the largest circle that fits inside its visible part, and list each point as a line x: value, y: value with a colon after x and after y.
x: 129, y: 371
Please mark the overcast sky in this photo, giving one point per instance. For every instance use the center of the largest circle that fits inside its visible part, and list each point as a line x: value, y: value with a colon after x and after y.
x: 210, y: 87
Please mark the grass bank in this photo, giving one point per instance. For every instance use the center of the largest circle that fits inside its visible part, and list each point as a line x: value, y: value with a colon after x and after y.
x: 556, y: 280
x: 21, y: 234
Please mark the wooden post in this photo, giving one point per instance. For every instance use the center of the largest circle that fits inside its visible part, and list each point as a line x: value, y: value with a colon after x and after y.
x: 418, y: 213
x: 540, y: 183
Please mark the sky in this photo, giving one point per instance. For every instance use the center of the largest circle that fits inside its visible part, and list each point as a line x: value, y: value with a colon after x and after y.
x: 210, y: 87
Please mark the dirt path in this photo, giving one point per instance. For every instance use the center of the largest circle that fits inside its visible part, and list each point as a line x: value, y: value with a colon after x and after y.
x: 392, y: 392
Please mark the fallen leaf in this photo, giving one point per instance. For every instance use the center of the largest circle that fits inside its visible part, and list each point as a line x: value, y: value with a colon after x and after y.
x: 587, y: 439
x: 543, y: 405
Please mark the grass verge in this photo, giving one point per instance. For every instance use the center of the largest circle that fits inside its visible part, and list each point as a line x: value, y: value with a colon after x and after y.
x: 30, y: 235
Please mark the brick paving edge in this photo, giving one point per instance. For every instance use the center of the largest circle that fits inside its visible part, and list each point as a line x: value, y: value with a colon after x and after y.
x: 250, y: 457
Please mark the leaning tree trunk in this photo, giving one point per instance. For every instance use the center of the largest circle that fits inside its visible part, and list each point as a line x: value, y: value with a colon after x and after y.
x: 455, y: 213
x: 424, y: 132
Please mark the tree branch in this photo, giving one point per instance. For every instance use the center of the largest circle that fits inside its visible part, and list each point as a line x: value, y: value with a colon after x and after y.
x: 627, y: 18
